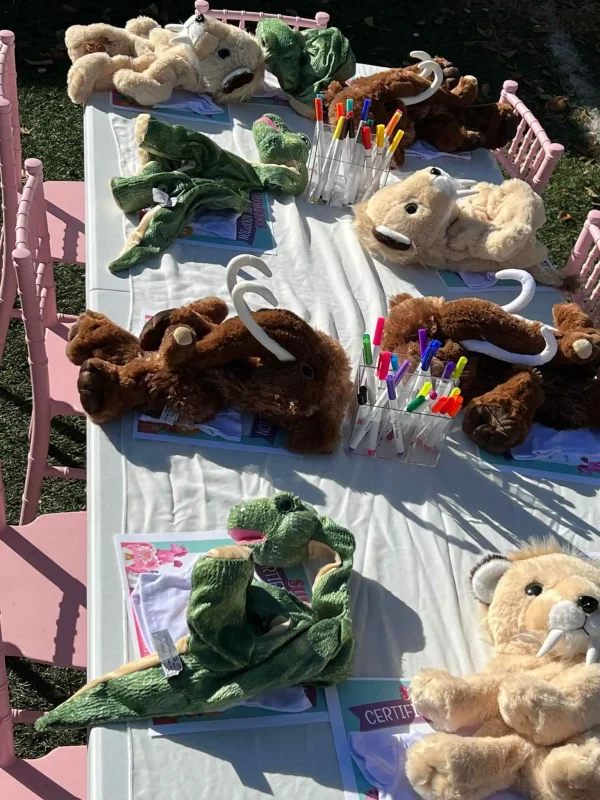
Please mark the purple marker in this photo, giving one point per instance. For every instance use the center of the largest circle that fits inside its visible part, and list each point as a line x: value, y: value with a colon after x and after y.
x: 422, y: 340
x: 448, y: 370
x: 399, y: 374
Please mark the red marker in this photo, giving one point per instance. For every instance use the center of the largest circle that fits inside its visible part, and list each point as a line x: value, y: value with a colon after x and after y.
x: 339, y: 110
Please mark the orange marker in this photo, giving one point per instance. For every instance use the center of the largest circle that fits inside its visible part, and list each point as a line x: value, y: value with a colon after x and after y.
x: 391, y: 126
x: 339, y: 110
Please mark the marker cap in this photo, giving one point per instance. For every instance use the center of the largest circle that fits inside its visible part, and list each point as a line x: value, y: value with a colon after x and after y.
x: 383, y: 365
x: 378, y: 331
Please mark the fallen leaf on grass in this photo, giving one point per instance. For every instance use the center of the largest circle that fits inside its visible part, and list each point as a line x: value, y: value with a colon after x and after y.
x: 508, y: 53
x: 542, y: 29
x: 493, y: 48
x: 439, y: 20
x: 485, y: 32
x: 370, y: 21
x: 556, y: 104
x: 25, y: 131
x: 585, y: 151
x: 564, y: 216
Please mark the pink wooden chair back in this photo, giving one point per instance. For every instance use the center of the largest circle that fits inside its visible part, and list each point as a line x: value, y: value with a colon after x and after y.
x: 531, y: 156
x: 321, y: 19
x: 8, y: 91
x: 584, y: 262
x: 35, y: 282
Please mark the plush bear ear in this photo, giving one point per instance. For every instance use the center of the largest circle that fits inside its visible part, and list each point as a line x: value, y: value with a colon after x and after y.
x: 486, y: 575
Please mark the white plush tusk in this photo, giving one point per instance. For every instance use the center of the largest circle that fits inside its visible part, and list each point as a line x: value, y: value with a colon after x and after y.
x: 465, y: 183
x: 399, y: 237
x: 244, y: 313
x: 550, y: 642
x: 592, y: 652
x: 527, y: 282
x: 175, y: 27
x: 431, y: 66
x: 182, y: 38
x: 536, y: 360
x: 421, y: 55
x: 238, y: 263
x: 466, y: 192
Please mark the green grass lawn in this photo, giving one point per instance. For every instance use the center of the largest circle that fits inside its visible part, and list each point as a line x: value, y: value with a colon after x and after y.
x: 492, y: 40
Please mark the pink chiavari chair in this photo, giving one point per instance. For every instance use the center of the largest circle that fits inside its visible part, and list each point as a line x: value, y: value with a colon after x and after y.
x: 321, y: 19
x: 53, y: 377
x: 531, y: 156
x: 42, y: 616
x: 65, y: 203
x: 584, y: 262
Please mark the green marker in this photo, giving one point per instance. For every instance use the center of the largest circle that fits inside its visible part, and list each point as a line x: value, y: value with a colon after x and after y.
x: 367, y: 353
x: 414, y: 404
x: 460, y: 365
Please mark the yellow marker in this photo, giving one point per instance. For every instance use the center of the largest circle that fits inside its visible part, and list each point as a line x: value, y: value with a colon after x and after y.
x: 338, y: 128
x: 380, y: 136
x: 425, y: 389
x: 391, y: 126
x: 395, y: 142
x: 455, y: 392
x: 461, y: 364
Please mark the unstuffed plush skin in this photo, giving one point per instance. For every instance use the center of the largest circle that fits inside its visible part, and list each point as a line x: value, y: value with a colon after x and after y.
x: 193, y: 362
x: 502, y: 400
x: 142, y: 62
x: 536, y: 720
x: 491, y: 230
x: 447, y: 120
x: 246, y: 636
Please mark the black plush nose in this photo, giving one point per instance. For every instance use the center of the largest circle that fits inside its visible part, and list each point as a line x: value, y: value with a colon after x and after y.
x: 588, y: 604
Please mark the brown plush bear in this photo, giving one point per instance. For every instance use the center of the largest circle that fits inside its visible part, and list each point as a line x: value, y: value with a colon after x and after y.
x: 447, y: 120
x: 195, y: 363
x: 503, y: 399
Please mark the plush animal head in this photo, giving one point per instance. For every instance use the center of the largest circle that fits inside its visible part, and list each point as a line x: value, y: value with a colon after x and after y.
x: 401, y: 220
x: 278, y: 143
x: 232, y: 63
x: 82, y: 40
x: 543, y: 597
x: 277, y: 529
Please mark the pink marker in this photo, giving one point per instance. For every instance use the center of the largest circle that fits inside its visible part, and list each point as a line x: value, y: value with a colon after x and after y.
x: 377, y: 336
x: 383, y: 365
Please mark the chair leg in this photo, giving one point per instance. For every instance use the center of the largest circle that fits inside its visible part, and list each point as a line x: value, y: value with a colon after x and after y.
x: 36, y: 464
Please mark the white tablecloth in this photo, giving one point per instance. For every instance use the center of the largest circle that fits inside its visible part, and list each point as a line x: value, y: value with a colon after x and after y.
x: 419, y: 531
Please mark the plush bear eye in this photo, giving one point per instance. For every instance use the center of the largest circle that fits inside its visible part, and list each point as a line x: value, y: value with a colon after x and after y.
x: 411, y: 208
x: 435, y: 171
x: 284, y: 504
x: 199, y: 19
x: 223, y: 53
x: 308, y: 371
x: 534, y: 589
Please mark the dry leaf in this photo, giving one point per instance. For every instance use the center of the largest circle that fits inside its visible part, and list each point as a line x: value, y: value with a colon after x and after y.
x: 25, y: 131
x: 493, y: 48
x: 370, y: 21
x: 508, y: 53
x: 585, y: 151
x: 69, y: 9
x: 564, y: 216
x: 421, y: 22
x: 556, y: 104
x: 485, y: 32
x: 439, y: 20
x: 515, y: 75
x: 485, y: 89
x: 542, y: 29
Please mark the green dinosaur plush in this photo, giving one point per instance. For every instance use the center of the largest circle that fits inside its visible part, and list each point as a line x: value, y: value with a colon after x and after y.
x: 305, y: 62
x: 245, y: 636
x: 191, y: 171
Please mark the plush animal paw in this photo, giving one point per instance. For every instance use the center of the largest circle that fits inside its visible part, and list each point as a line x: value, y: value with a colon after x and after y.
x: 94, y: 386
x: 535, y: 709
x: 230, y: 551
x: 441, y: 699
x: 493, y: 427
x: 572, y: 772
x: 94, y: 335
x: 440, y: 767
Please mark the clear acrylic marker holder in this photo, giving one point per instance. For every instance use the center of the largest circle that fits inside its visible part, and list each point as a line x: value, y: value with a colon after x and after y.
x: 345, y: 180
x: 409, y: 437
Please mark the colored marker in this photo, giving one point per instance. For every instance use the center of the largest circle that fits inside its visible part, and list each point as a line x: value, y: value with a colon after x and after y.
x: 339, y: 110
x: 328, y: 160
x: 461, y: 364
x: 395, y: 415
x: 422, y: 340
x: 391, y: 126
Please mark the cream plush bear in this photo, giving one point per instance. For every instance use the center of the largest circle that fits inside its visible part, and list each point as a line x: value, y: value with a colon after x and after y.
x: 146, y: 62
x: 463, y: 226
x: 535, y: 709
